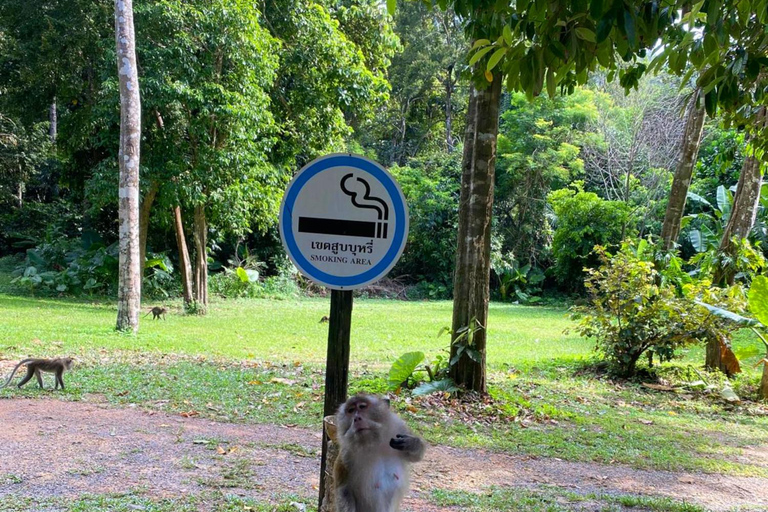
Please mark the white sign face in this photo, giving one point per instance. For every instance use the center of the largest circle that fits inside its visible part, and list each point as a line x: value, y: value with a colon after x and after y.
x: 344, y: 221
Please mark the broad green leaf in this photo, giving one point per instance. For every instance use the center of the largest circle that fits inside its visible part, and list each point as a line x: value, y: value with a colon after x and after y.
x: 710, y: 103
x: 253, y: 275
x: 713, y: 11
x: 443, y: 386
x: 403, y: 368
x: 629, y: 28
x: 475, y: 354
x: 747, y: 352
x: 156, y: 262
x: 586, y: 34
x: 758, y: 299
x: 507, y: 33
x: 729, y: 315
x: 697, y: 240
x: 721, y: 199
x: 604, y: 27
x: 391, y: 6
x: 495, y: 58
x: 479, y: 55
x: 479, y: 43
x: 240, y: 271
x: 699, y: 199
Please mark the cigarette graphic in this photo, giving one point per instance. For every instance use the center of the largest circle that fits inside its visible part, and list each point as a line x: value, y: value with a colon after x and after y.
x: 342, y: 227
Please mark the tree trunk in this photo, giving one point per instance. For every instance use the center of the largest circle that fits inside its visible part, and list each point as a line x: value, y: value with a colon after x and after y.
x: 712, y: 359
x: 20, y: 195
x: 146, y: 207
x: 689, y: 152
x: 185, y: 268
x: 201, y: 259
x: 449, y: 109
x: 471, y: 279
x: 129, y: 273
x: 745, y: 204
x: 763, y: 391
x: 54, y: 122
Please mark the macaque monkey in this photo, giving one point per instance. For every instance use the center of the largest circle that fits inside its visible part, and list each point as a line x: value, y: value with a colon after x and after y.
x: 324, y: 320
x: 157, y: 312
x: 376, y: 449
x: 35, y: 367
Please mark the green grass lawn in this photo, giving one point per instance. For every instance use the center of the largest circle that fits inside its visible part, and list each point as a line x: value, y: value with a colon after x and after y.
x: 288, y: 330
x: 223, y: 365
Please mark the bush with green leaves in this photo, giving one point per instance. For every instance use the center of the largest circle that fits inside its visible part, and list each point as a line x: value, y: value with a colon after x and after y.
x: 514, y: 282
x: 159, y: 281
x: 584, y: 220
x: 633, y: 310
x: 409, y: 371
x: 65, y: 267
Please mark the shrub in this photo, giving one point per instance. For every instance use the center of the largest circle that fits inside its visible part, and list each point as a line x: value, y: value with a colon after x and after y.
x: 584, y: 220
x: 633, y: 310
x: 65, y: 267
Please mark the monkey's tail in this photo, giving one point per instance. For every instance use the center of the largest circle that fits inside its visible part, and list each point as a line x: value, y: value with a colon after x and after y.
x: 25, y: 361
x: 148, y: 312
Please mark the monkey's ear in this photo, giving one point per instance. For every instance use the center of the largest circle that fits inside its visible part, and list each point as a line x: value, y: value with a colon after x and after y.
x: 385, y: 400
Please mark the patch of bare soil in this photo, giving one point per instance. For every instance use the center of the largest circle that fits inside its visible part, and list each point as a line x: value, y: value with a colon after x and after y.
x: 53, y: 448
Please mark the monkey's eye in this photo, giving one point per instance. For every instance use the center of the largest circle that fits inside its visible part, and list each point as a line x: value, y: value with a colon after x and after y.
x: 362, y: 405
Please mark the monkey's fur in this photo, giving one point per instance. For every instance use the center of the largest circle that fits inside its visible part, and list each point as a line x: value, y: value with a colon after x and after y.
x: 157, y: 312
x: 324, y: 320
x: 35, y: 367
x: 376, y: 449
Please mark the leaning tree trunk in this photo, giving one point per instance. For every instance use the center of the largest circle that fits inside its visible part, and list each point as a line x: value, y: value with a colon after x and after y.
x: 471, y: 278
x: 129, y: 272
x: 201, y: 259
x: 185, y: 268
x: 745, y: 204
x: 689, y: 152
x: 763, y: 391
x: 449, y: 109
x: 146, y: 207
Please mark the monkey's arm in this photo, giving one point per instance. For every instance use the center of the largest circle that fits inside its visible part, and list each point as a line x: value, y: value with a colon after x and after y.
x: 411, y: 447
x: 345, y: 501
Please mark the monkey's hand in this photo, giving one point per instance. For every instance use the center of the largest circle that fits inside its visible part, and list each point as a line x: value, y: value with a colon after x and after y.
x: 411, y: 446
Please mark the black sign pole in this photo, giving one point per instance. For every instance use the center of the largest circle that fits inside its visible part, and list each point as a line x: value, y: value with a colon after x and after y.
x: 337, y: 365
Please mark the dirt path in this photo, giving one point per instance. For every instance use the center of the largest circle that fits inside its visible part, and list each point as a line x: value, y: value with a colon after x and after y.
x: 53, y: 448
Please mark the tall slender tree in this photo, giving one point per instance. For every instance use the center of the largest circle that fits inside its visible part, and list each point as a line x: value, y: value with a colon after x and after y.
x: 746, y: 199
x: 129, y: 274
x: 473, y: 266
x: 689, y: 152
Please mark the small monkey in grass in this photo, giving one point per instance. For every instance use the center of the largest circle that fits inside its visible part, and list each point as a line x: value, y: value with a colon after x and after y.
x: 157, y: 312
x: 35, y: 367
x: 376, y: 449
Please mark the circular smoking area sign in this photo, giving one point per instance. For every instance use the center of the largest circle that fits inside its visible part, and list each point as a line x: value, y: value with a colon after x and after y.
x: 344, y: 221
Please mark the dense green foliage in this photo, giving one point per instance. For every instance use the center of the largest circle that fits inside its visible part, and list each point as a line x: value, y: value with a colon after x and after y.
x: 636, y: 307
x: 237, y: 96
x: 584, y: 221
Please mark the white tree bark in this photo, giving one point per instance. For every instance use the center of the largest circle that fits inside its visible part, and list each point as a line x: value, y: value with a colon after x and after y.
x: 129, y: 273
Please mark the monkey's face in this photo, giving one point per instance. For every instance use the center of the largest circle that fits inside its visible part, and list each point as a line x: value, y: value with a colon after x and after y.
x: 68, y: 363
x: 360, y: 418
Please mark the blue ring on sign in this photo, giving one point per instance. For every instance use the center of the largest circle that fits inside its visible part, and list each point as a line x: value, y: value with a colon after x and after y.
x: 399, y: 207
